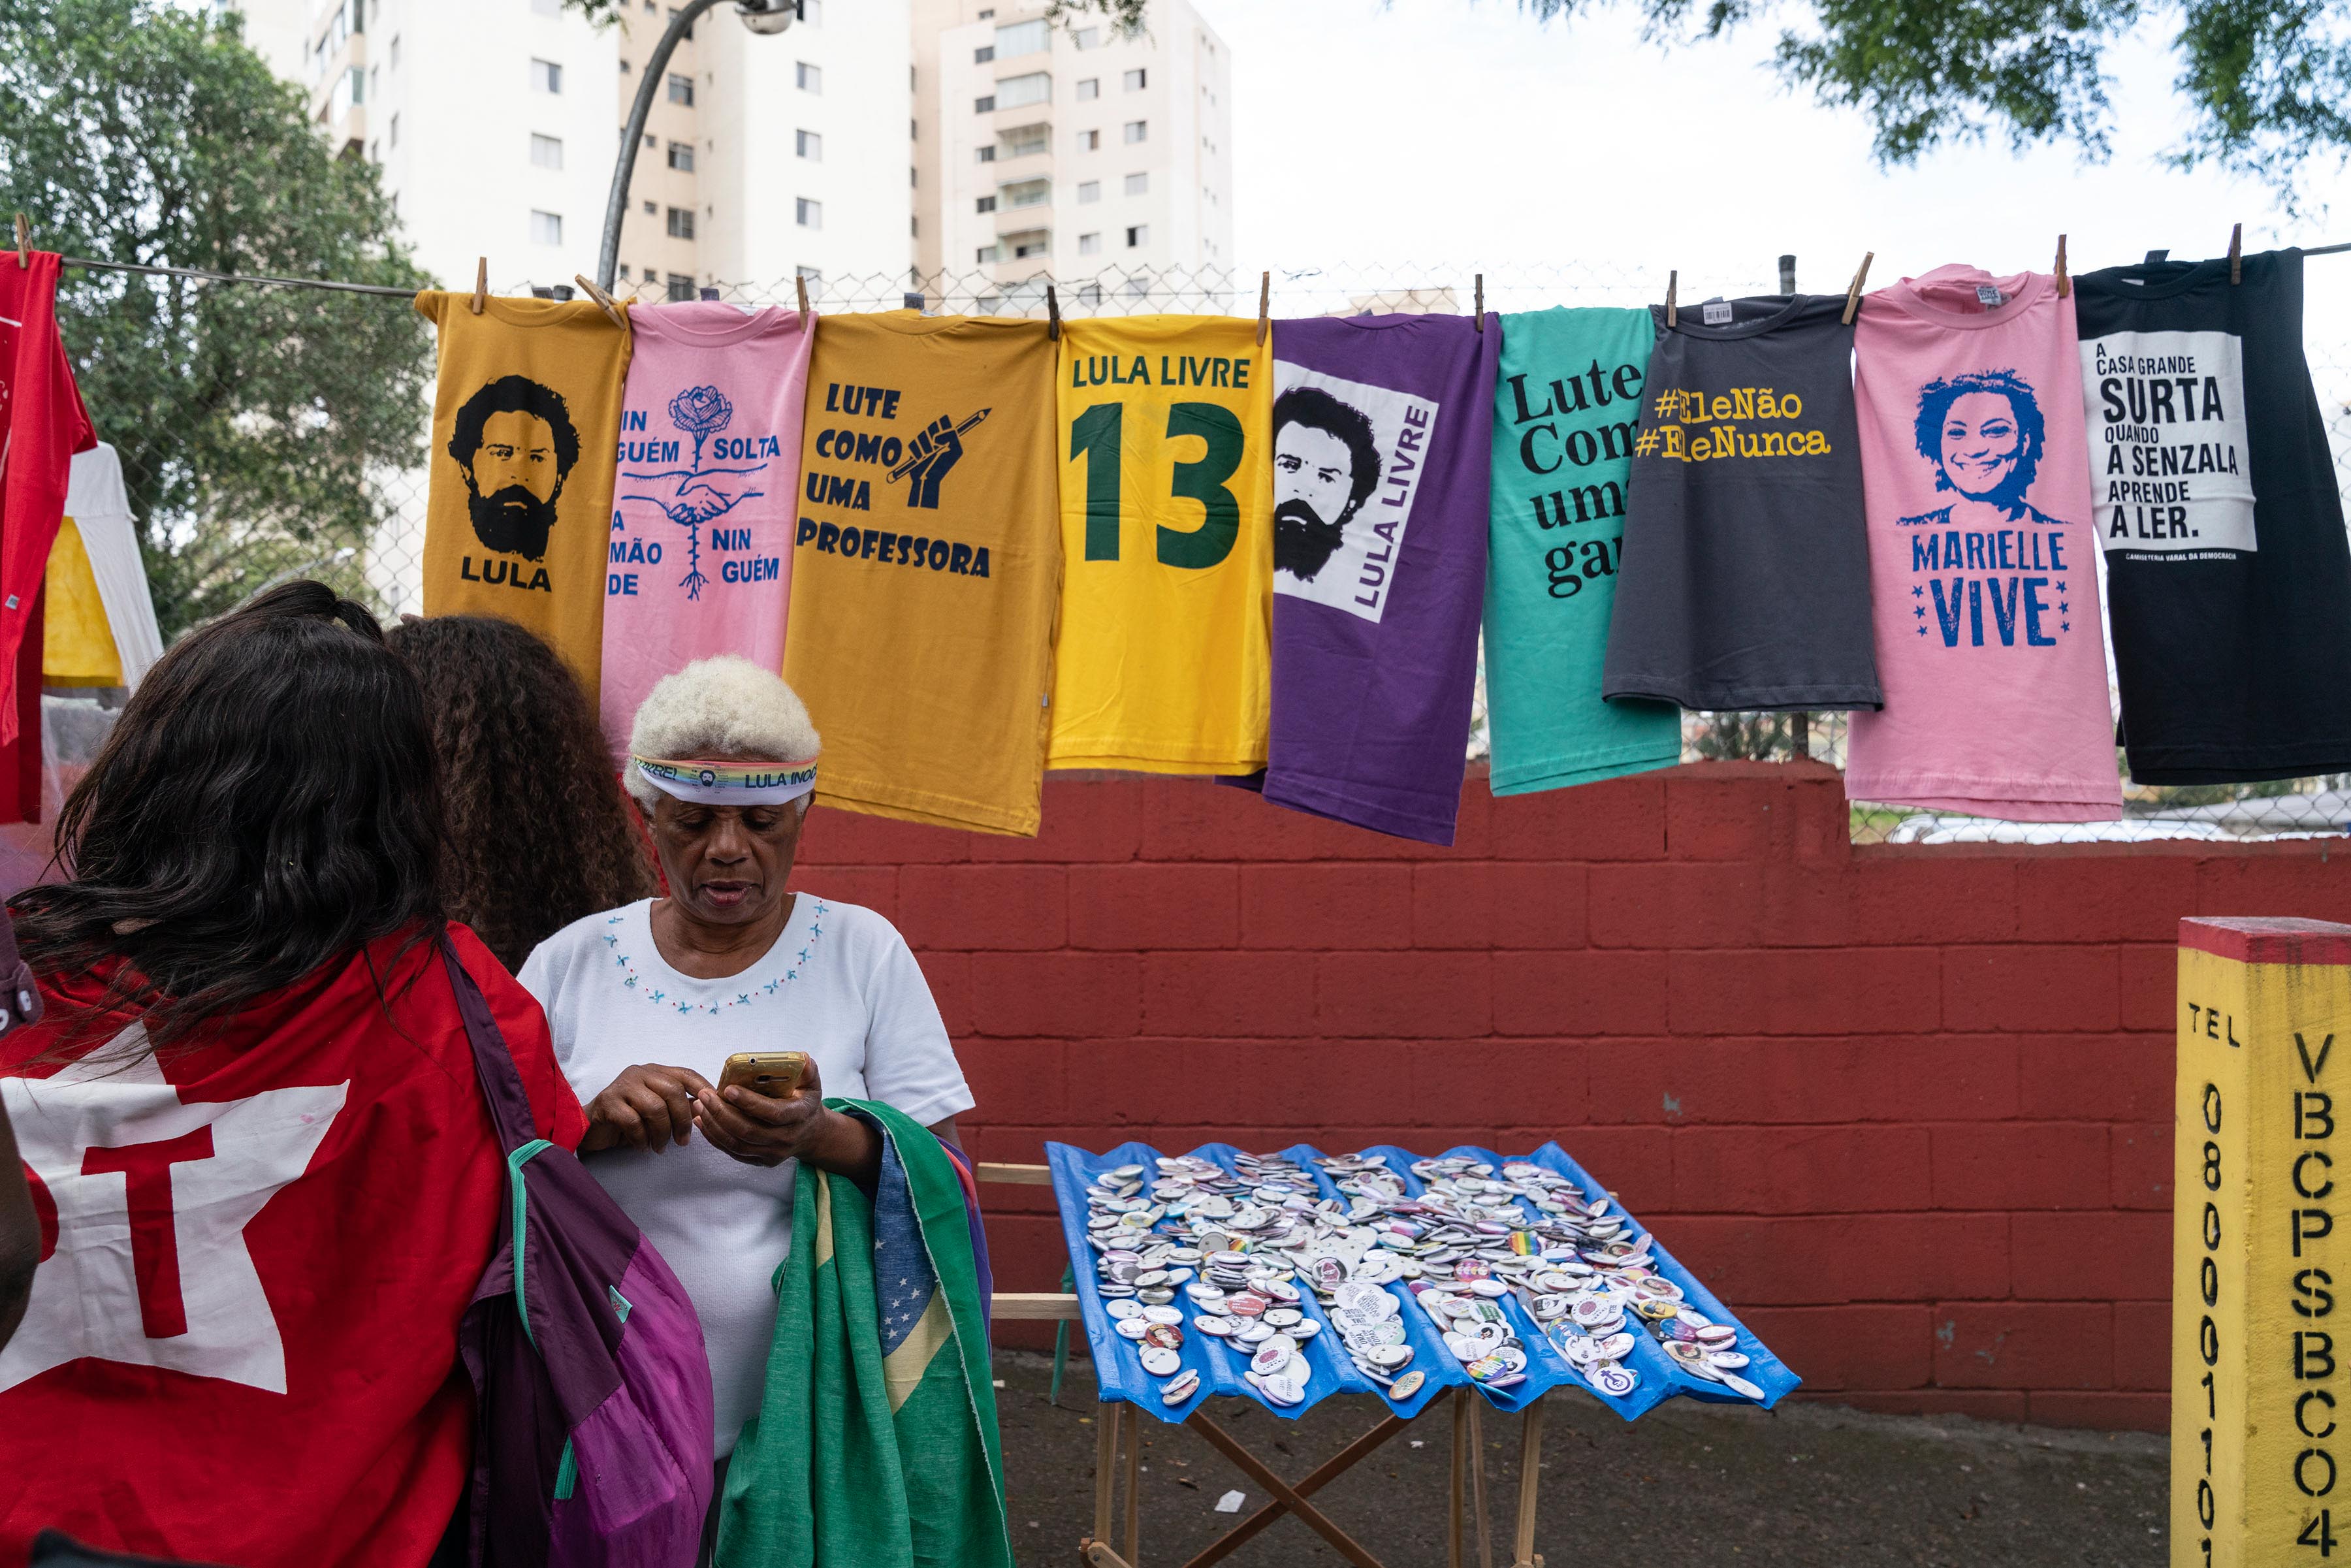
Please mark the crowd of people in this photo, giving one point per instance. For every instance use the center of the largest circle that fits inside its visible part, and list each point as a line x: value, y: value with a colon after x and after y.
x: 254, y: 1184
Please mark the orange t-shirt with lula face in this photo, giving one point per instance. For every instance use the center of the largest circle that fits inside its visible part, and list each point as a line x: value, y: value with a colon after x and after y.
x: 526, y: 423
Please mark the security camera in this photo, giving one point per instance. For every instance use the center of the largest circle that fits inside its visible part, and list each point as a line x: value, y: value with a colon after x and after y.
x: 767, y: 17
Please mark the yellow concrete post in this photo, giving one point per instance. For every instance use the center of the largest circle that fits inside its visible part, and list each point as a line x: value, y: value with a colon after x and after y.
x: 2260, y: 1336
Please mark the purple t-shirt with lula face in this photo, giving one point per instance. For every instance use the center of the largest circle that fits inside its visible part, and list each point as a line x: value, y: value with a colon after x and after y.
x: 1382, y: 426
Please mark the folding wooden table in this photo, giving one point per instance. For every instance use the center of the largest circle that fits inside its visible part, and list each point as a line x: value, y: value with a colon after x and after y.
x: 1119, y: 1447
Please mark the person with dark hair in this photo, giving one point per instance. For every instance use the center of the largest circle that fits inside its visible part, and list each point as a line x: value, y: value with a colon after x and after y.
x: 1326, y: 463
x: 515, y: 443
x: 539, y: 833
x: 266, y: 1180
x: 1984, y: 433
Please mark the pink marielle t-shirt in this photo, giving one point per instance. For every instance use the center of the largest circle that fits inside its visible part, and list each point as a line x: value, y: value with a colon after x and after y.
x: 1984, y: 569
x: 702, y: 506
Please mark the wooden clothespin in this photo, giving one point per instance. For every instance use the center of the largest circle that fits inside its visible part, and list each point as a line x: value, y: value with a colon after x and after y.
x: 1673, y: 284
x: 2236, y: 253
x: 1853, y: 294
x: 1264, y: 302
x: 611, y: 305
x: 1480, y: 317
x: 1053, y: 314
x: 799, y: 287
x: 2064, y: 284
x: 481, y: 284
x: 24, y: 242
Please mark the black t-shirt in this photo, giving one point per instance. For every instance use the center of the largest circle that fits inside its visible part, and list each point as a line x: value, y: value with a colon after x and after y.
x: 2228, y: 575
x: 1743, y: 580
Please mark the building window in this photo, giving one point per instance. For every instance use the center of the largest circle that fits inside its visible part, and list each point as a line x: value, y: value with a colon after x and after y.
x: 1135, y: 80
x: 1017, y: 38
x: 546, y: 151
x: 687, y: 34
x: 650, y: 209
x: 914, y: 229
x: 1090, y: 244
x: 652, y: 141
x: 545, y: 76
x: 1089, y: 294
x: 1138, y: 130
x: 983, y: 205
x: 809, y: 215
x: 547, y: 8
x: 681, y: 222
x: 809, y: 145
x: 1138, y: 235
x: 1028, y: 194
x: 982, y: 55
x: 807, y: 77
x: 393, y: 132
x: 983, y: 105
x: 1088, y: 140
x: 681, y: 157
x: 1086, y: 37
x: 985, y: 255
x: 1027, y: 141
x: 1138, y: 288
x: 624, y: 68
x: 1036, y: 87
x: 1089, y: 190
x: 1089, y: 88
x: 395, y: 51
x: 1036, y: 243
x: 913, y: 130
x: 988, y: 154
x: 546, y: 228
x: 680, y: 88
x: 681, y: 288
x: 812, y: 277
x: 812, y: 12
x: 1138, y: 185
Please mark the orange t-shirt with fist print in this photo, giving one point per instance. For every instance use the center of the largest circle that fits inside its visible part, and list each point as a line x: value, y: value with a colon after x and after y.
x: 927, y: 566
x: 526, y: 426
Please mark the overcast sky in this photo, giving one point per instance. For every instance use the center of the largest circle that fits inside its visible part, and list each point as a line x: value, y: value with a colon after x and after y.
x: 1458, y: 135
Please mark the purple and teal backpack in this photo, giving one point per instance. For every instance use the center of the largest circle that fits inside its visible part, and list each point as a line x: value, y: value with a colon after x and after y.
x: 592, y: 1436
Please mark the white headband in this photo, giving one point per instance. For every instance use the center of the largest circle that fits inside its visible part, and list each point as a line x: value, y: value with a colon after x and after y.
x: 722, y: 783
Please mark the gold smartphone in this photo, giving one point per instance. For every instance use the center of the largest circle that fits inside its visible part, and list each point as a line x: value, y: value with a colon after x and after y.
x: 775, y: 1073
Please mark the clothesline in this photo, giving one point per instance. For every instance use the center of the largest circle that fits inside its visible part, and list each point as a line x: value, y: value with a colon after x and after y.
x: 385, y: 291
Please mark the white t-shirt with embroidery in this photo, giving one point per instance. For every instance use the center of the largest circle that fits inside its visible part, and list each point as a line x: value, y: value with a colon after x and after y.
x: 841, y: 985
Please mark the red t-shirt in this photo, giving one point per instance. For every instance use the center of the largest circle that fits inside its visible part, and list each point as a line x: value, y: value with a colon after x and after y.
x: 241, y: 1346
x: 42, y: 425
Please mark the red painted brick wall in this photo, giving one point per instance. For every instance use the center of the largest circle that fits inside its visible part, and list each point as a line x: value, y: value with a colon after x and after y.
x: 1907, y: 1109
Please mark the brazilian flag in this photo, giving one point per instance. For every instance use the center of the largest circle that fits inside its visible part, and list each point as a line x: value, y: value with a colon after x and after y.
x: 875, y: 1443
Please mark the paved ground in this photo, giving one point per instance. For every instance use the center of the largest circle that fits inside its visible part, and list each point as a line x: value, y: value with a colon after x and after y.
x: 1810, y: 1484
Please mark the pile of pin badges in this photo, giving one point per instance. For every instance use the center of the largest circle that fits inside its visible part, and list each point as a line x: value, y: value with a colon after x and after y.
x: 1473, y: 1237
x: 1220, y: 1241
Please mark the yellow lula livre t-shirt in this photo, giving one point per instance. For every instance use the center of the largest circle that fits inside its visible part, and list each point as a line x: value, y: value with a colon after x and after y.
x: 1164, y: 654
x: 927, y: 566
x: 77, y: 645
x: 526, y: 426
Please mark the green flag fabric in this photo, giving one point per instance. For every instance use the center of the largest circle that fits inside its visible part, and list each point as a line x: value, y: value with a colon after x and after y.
x: 875, y: 1444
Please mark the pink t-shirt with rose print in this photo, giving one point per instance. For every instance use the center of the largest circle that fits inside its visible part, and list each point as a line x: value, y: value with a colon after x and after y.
x: 1984, y: 569
x: 706, y: 493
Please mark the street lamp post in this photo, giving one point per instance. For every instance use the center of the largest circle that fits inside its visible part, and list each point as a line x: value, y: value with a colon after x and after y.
x: 760, y: 17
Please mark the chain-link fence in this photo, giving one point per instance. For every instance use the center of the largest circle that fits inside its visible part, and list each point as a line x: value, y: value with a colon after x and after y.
x: 248, y: 483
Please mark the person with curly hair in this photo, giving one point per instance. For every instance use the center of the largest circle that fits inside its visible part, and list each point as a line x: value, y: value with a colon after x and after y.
x: 539, y: 833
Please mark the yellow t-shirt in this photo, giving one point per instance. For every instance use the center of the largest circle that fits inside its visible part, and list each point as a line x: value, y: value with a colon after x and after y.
x: 77, y: 640
x: 526, y: 423
x: 1166, y: 532
x: 926, y: 565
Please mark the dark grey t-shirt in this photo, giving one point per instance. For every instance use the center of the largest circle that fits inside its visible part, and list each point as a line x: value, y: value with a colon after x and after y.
x: 1744, y: 576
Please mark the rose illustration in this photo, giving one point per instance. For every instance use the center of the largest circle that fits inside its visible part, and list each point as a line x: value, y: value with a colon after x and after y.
x: 699, y: 412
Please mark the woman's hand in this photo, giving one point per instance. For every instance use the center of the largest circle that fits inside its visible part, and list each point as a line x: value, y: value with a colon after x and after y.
x: 762, y: 1131
x: 646, y: 1107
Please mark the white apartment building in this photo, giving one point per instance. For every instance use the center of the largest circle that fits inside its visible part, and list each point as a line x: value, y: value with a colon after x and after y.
x: 1105, y: 162
x: 496, y: 125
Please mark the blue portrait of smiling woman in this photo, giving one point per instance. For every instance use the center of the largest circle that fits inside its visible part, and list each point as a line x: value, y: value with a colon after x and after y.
x: 647, y: 1001
x: 1984, y: 433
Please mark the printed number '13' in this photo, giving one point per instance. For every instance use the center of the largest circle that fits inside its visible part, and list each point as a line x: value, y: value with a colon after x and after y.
x: 1096, y: 435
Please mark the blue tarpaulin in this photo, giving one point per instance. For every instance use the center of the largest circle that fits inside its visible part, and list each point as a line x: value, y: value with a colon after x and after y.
x: 1329, y: 1369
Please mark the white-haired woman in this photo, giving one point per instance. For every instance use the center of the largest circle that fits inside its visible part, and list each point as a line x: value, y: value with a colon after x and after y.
x: 647, y: 1001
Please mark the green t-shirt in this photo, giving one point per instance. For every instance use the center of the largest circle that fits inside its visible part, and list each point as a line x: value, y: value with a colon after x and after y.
x: 1566, y: 408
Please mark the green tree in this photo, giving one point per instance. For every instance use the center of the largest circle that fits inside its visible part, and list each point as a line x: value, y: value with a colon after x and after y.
x: 258, y: 426
x: 2267, y: 82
